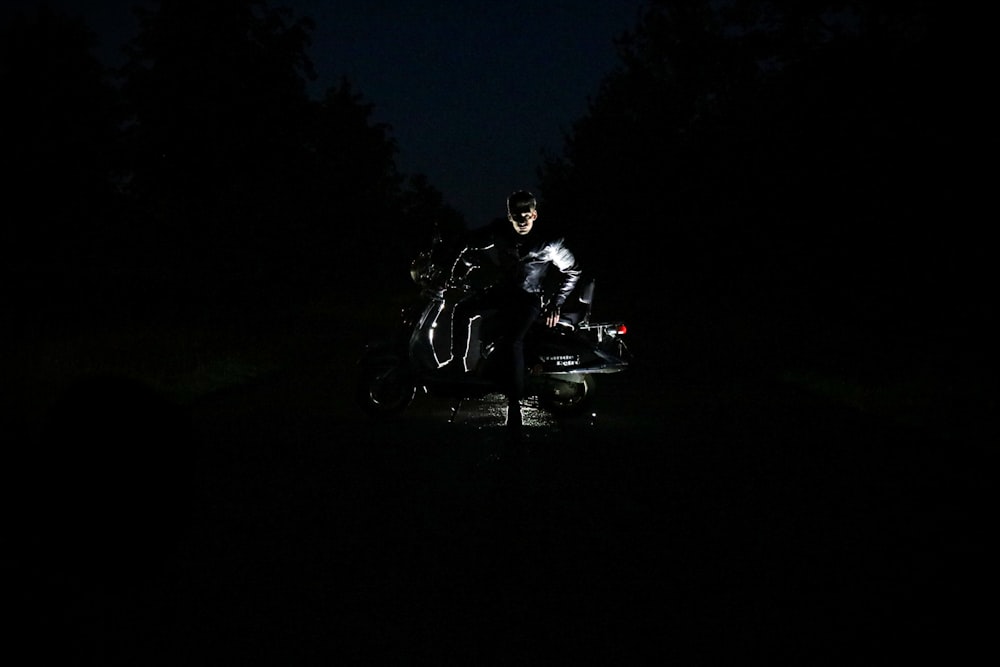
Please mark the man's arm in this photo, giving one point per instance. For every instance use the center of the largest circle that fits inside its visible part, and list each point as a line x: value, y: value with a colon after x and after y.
x: 564, y: 260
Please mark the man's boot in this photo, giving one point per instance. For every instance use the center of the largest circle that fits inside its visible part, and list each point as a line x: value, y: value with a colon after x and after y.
x: 515, y: 445
x: 513, y: 415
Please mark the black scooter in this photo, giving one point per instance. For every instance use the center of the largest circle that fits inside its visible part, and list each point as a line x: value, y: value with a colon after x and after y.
x: 561, y: 361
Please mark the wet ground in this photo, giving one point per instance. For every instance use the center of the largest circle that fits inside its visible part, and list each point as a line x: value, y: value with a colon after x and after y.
x: 690, y: 517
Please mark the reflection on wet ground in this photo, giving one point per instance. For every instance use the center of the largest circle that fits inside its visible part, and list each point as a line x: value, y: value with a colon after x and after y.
x: 492, y: 409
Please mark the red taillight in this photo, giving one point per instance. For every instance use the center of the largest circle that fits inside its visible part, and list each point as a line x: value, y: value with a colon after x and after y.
x: 622, y: 329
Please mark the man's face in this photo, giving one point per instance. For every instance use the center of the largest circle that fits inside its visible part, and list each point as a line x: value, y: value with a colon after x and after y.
x: 522, y: 219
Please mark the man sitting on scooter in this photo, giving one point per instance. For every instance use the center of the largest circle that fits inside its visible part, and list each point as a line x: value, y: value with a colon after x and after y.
x: 518, y: 296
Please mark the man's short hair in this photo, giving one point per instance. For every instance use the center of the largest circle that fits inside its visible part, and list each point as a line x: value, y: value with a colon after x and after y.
x: 520, y: 201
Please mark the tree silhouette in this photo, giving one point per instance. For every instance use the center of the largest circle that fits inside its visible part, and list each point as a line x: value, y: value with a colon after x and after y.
x: 246, y: 173
x: 60, y: 138
x: 218, y: 96
x: 203, y: 161
x: 778, y: 152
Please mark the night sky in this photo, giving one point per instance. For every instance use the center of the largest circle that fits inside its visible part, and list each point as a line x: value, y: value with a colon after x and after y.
x: 474, y: 92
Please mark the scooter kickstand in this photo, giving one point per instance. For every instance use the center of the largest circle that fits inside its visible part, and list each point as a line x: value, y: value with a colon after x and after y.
x: 454, y: 411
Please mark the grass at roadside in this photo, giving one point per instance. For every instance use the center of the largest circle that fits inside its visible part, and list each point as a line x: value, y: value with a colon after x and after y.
x: 180, y: 348
x: 181, y: 362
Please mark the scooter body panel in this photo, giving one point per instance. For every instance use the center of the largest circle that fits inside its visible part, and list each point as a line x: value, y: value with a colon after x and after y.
x: 559, y: 360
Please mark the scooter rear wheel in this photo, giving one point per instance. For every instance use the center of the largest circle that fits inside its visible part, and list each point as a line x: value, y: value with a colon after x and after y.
x: 567, y: 398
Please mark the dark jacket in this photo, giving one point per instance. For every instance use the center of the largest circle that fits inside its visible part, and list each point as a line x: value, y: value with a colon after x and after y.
x: 520, y: 261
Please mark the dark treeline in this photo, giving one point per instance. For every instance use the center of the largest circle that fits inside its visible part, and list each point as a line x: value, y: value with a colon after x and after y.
x: 776, y: 155
x: 203, y: 163
x: 785, y: 156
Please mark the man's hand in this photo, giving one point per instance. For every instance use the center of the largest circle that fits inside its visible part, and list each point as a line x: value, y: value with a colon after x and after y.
x: 552, y: 316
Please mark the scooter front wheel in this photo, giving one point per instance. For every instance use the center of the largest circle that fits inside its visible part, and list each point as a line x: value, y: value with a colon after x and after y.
x: 565, y: 397
x: 385, y: 390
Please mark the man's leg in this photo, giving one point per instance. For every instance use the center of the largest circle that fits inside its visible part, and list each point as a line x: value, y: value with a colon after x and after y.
x: 523, y: 315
